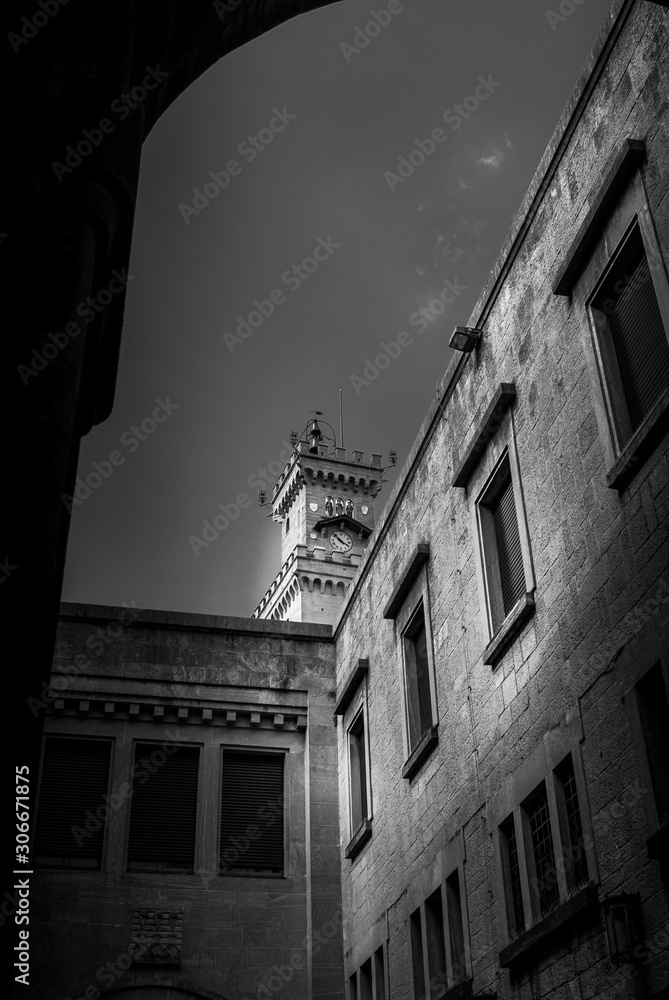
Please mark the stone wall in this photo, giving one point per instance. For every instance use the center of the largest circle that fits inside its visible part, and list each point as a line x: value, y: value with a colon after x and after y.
x: 597, y: 557
x: 140, y: 675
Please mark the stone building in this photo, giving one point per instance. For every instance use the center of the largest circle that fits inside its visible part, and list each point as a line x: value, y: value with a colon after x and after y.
x: 475, y: 751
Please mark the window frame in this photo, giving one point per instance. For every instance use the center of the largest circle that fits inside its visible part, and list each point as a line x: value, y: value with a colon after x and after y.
x: 656, y: 830
x: 517, y: 817
x: 500, y: 457
x: 105, y: 823
x: 357, y: 712
x: 417, y: 600
x: 243, y: 748
x: 200, y: 791
x: 622, y: 452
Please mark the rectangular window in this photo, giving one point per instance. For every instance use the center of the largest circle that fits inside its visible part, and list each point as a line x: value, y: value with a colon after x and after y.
x: 502, y: 552
x: 379, y: 975
x: 576, y: 863
x: 632, y: 338
x: 365, y: 991
x: 456, y: 932
x: 416, y: 928
x: 357, y: 750
x: 75, y: 781
x: 163, y: 808
x: 353, y: 986
x: 417, y: 675
x: 252, y: 811
x: 557, y: 859
x: 543, y: 855
x: 653, y: 708
x: 511, y: 872
x: 436, y: 950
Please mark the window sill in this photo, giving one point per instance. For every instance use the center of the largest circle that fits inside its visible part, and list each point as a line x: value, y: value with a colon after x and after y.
x: 657, y: 844
x: 358, y: 840
x: 518, y: 949
x: 415, y: 760
x: 508, y: 630
x: 640, y: 445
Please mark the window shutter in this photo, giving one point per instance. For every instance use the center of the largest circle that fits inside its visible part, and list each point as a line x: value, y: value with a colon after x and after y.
x: 163, y: 809
x: 252, y: 796
x: 75, y: 779
x: 423, y: 679
x: 638, y: 335
x: 509, y: 552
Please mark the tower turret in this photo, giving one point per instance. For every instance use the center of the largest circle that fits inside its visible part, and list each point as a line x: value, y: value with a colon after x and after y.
x: 324, y: 501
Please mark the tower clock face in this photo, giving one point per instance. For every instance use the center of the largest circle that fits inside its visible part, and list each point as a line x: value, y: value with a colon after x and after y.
x: 340, y: 541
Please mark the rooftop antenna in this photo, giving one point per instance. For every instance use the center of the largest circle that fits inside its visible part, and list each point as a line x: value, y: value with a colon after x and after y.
x: 341, y: 420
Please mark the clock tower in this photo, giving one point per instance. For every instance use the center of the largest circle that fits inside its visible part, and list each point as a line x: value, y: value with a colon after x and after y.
x: 324, y: 502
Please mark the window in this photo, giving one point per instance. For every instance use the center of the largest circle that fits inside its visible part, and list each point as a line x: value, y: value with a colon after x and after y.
x: 650, y: 706
x: 417, y: 678
x: 369, y: 981
x: 417, y: 959
x: 357, y: 757
x: 409, y: 606
x: 632, y: 337
x: 252, y: 814
x: 75, y: 781
x: 502, y: 552
x: 617, y: 275
x: 556, y: 859
x: 434, y: 939
x: 163, y: 808
x: 287, y: 525
x: 456, y: 931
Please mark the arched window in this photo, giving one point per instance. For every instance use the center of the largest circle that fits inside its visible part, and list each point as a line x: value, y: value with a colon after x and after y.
x: 339, y: 506
x: 329, y: 506
x: 350, y: 508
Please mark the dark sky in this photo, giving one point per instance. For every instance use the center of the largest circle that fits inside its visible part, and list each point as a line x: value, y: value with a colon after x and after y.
x: 325, y: 175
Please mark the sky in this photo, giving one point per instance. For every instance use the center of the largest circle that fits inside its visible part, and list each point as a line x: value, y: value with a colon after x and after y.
x: 321, y: 134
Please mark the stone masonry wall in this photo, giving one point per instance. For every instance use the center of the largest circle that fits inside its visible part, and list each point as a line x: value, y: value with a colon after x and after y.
x: 600, y: 559
x: 184, y: 674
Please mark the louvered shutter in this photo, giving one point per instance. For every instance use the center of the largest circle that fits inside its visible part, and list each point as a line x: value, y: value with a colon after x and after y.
x: 75, y: 780
x: 509, y: 552
x: 639, y: 338
x: 163, y: 809
x: 423, y: 678
x: 252, y: 813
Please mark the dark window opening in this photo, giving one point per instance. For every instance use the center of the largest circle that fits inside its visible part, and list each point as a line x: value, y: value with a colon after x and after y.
x: 75, y: 782
x: 456, y: 934
x: 627, y: 313
x: 514, y: 895
x: 365, y: 992
x: 418, y: 678
x: 252, y: 810
x: 575, y: 856
x: 163, y: 808
x: 380, y: 974
x: 654, y: 716
x: 358, y: 773
x: 436, y: 951
x: 417, y: 954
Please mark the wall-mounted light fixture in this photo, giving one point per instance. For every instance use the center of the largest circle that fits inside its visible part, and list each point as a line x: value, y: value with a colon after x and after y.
x: 624, y: 927
x: 465, y: 338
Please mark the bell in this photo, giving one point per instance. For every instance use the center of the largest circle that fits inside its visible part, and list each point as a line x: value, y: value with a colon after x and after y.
x: 315, y: 437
